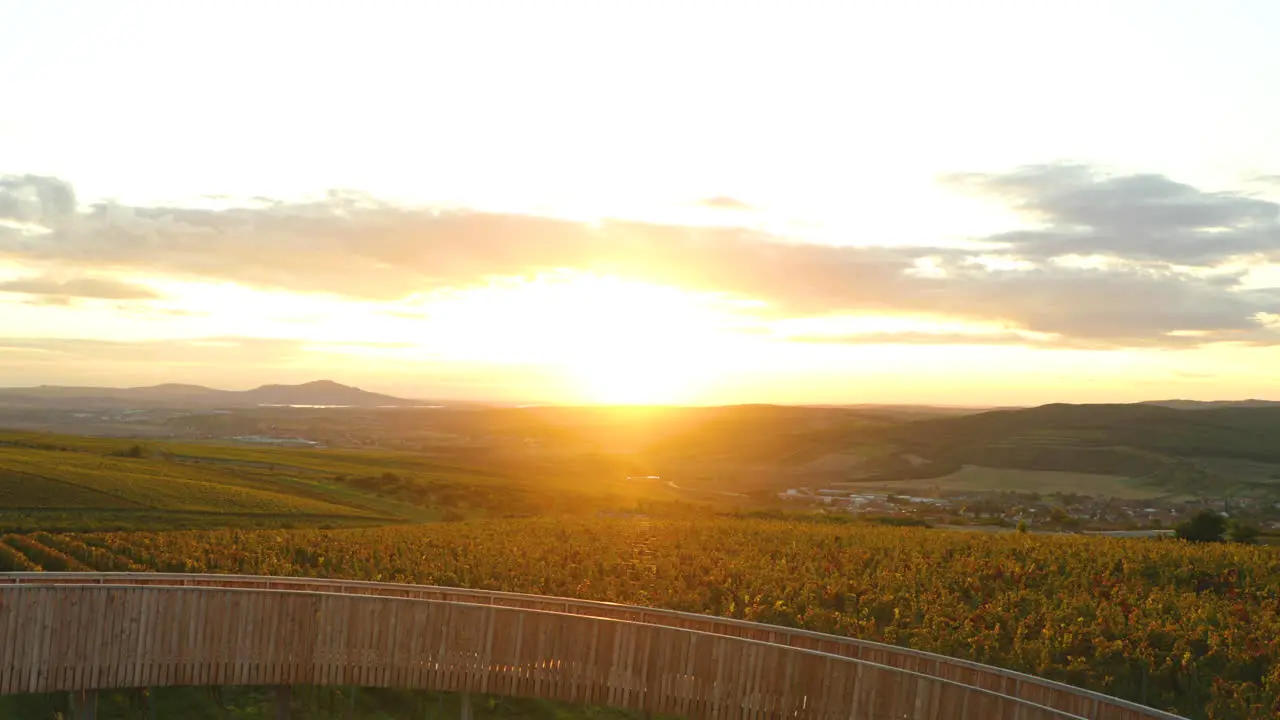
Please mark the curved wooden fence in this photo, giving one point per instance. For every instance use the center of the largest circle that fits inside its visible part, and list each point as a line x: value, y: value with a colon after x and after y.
x: 1029, y: 690
x: 73, y: 637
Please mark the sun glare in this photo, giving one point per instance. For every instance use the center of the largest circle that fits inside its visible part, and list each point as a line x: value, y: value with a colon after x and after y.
x: 614, y: 341
x: 639, y: 376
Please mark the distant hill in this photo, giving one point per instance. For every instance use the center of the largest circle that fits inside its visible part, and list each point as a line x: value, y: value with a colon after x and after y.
x: 1211, y: 404
x: 1186, y: 451
x: 1161, y: 450
x: 320, y: 392
x: 912, y: 412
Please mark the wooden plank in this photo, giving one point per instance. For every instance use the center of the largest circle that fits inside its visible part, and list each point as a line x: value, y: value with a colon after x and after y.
x: 142, y: 635
x: 156, y: 641
x: 26, y: 654
x: 188, y: 605
x: 121, y: 638
x: 103, y: 625
x: 8, y: 617
x: 207, y: 652
x: 172, y: 636
x: 44, y: 646
x: 82, y: 642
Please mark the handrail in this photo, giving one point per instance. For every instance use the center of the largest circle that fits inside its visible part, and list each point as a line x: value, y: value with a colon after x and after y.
x: 90, y: 636
x: 1078, y: 701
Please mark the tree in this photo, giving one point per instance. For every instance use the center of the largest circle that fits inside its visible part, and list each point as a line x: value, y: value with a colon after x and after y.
x: 1205, y: 526
x: 1242, y: 533
x: 133, y: 451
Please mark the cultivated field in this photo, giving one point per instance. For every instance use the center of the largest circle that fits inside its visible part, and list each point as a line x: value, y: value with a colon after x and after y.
x: 973, y: 478
x: 61, y: 482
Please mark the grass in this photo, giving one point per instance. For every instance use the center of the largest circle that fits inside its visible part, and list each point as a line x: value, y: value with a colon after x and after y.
x: 243, y: 702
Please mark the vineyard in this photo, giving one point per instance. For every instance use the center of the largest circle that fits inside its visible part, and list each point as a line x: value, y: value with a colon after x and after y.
x: 1192, y: 629
x: 71, y: 483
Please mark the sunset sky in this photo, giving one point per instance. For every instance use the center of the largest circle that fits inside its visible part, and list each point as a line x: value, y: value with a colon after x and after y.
x: 690, y: 202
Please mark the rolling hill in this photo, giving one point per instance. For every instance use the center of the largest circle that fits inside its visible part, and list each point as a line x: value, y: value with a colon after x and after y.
x: 1211, y: 404
x: 1209, y: 451
x: 1144, y: 448
x: 1141, y: 448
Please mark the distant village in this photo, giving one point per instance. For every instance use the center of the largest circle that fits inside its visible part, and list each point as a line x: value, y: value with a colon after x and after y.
x: 1033, y: 510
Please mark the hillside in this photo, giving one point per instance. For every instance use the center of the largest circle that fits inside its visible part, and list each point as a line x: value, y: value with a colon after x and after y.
x: 1210, y: 451
x: 50, y: 482
x: 1136, y: 450
x: 1211, y: 404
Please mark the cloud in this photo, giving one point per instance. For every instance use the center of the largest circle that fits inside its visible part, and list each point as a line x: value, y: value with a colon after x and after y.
x: 36, y: 199
x: 722, y: 202
x: 927, y: 338
x: 352, y: 245
x: 1123, y: 306
x: 78, y: 288
x: 212, y: 351
x: 1136, y: 217
x: 175, y: 351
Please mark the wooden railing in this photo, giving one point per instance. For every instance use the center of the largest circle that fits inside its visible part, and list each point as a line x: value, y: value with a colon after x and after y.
x: 75, y: 637
x: 1031, y: 691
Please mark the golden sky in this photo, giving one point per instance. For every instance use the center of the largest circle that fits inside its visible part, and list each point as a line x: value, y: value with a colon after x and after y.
x: 931, y: 202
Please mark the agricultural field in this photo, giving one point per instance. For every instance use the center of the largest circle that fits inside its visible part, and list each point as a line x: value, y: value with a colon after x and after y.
x: 1190, y: 628
x: 61, y: 482
x: 976, y: 478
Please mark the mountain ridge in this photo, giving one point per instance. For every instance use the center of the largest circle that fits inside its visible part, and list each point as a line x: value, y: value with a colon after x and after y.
x: 316, y: 392
x: 1179, y: 404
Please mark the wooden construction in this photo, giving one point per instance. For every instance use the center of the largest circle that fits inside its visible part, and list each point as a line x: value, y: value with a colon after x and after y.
x: 369, y: 646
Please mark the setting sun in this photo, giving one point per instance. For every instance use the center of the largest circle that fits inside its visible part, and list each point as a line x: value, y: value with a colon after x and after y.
x: 612, y: 340
x: 639, y: 374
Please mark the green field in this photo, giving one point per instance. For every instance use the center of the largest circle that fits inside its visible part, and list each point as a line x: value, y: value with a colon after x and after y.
x: 973, y: 478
